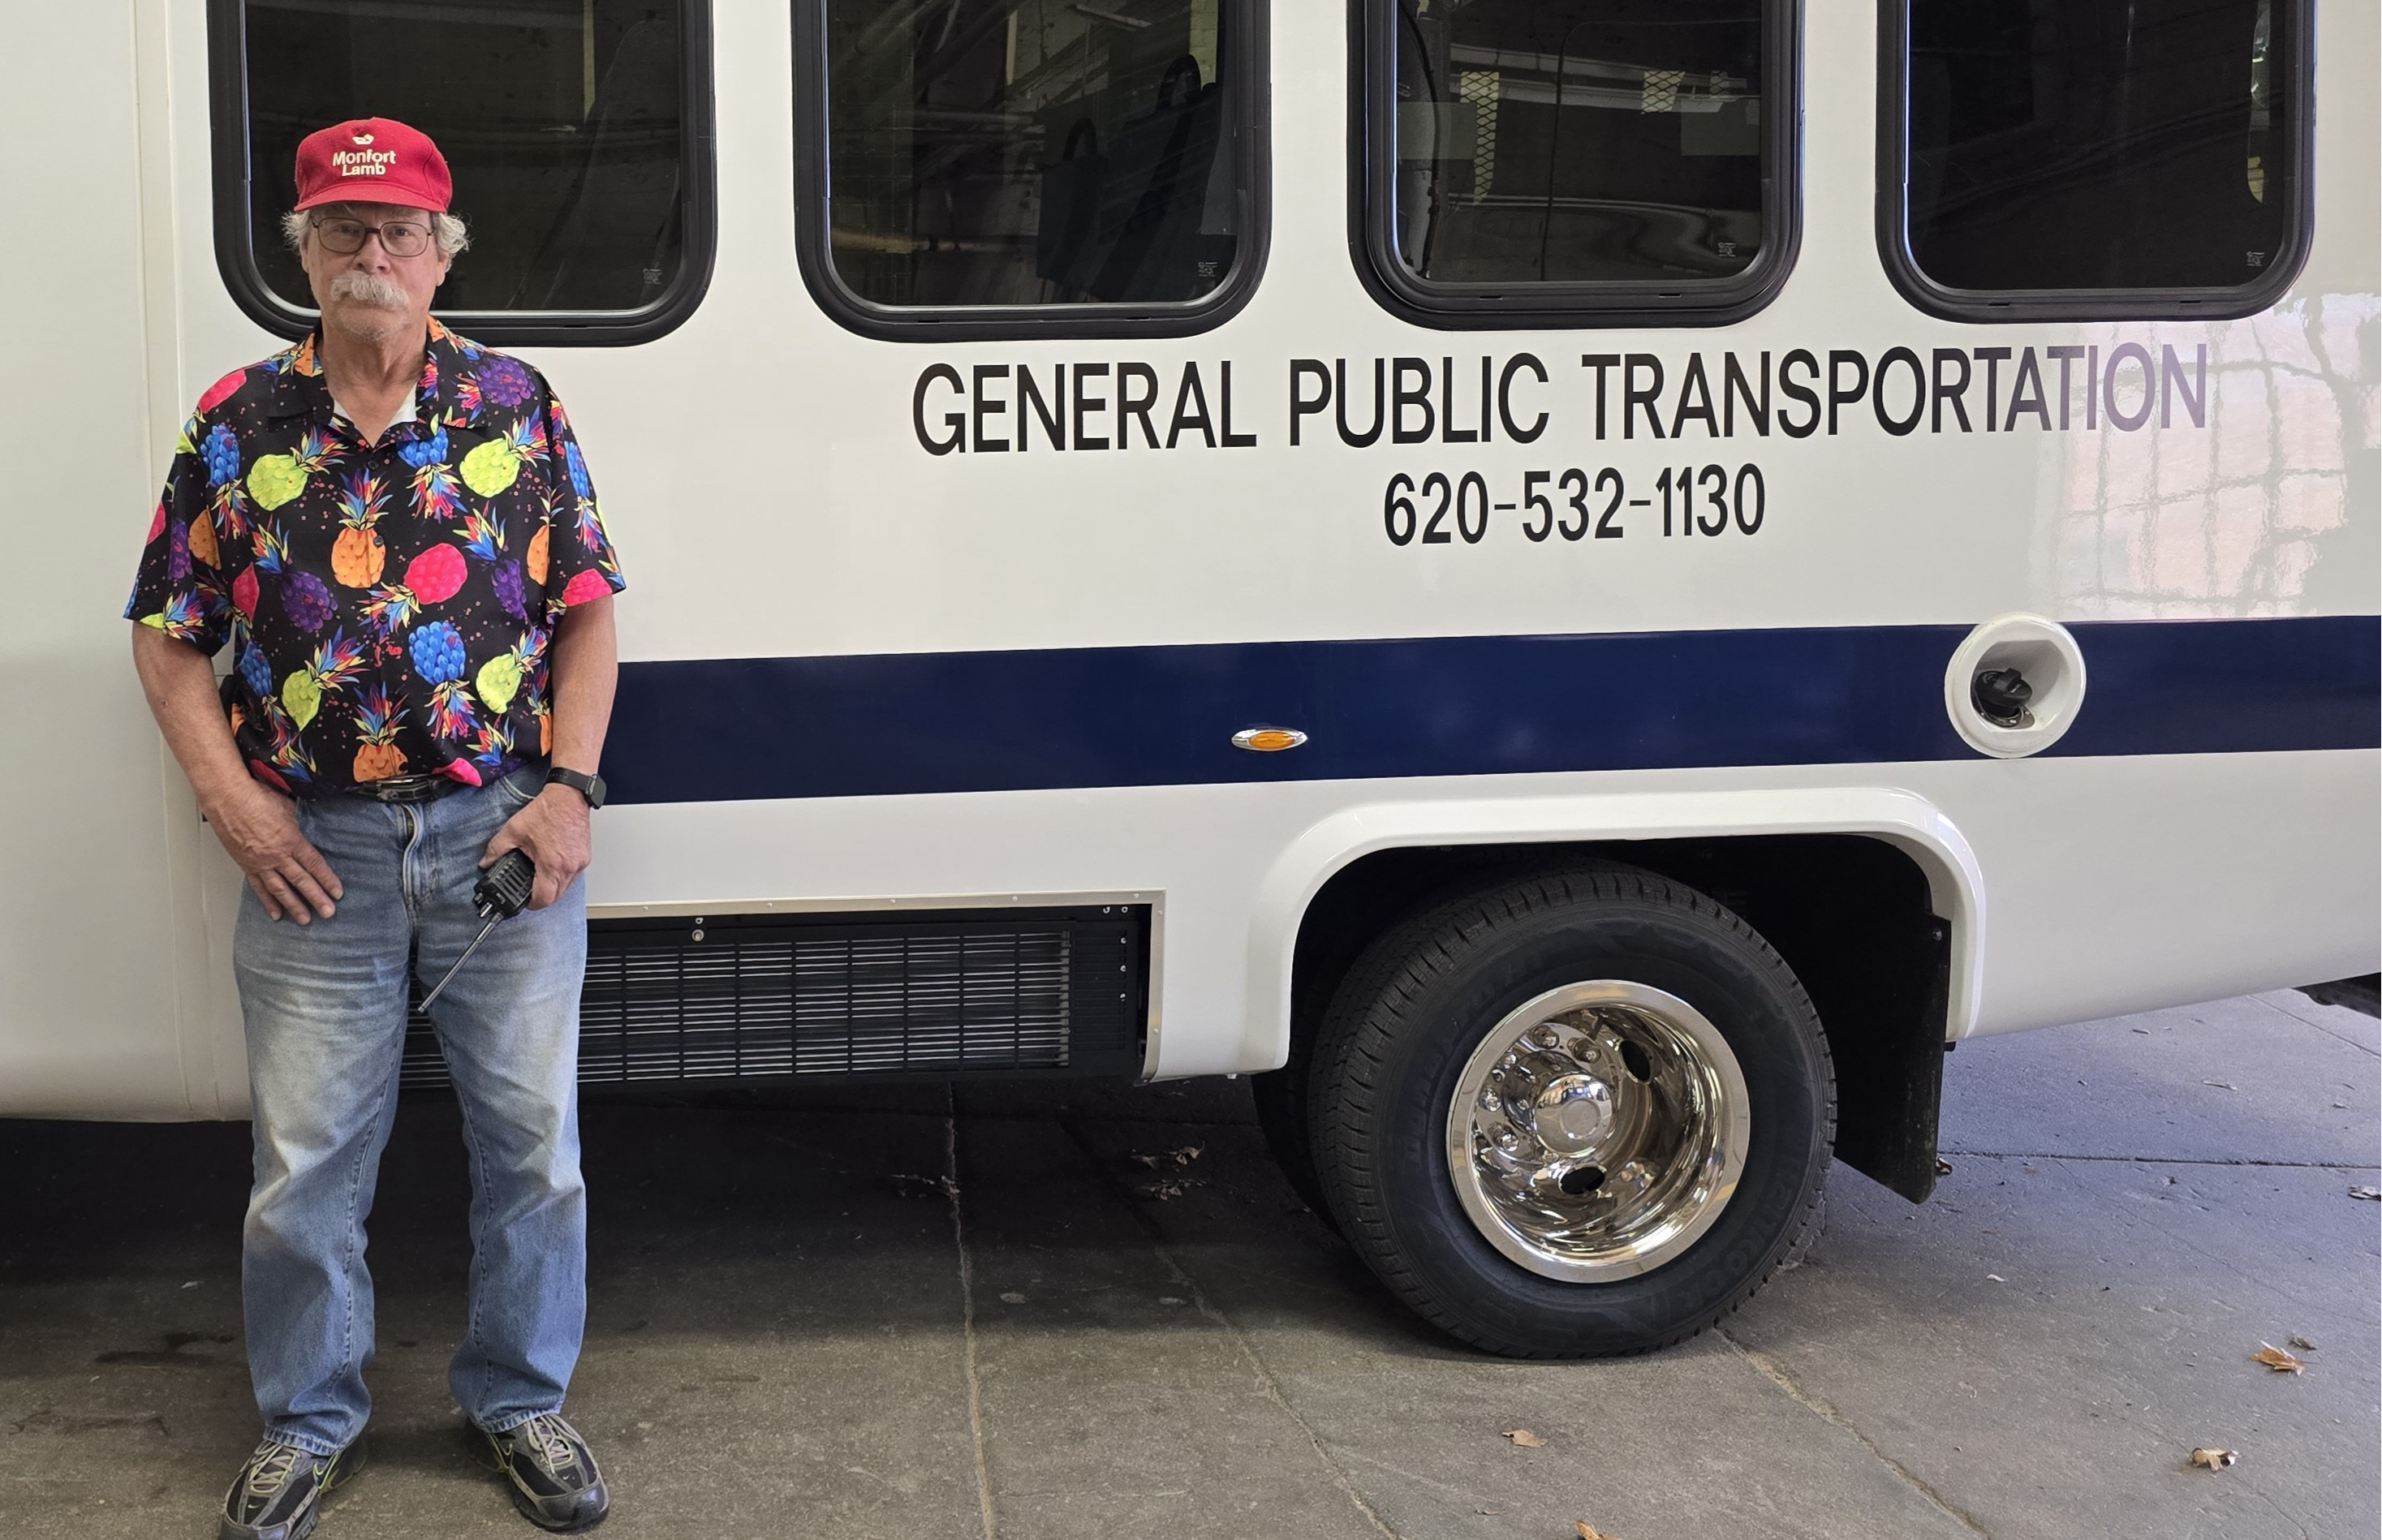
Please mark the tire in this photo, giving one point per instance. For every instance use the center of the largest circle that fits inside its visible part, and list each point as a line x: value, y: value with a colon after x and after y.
x: 1725, y: 1113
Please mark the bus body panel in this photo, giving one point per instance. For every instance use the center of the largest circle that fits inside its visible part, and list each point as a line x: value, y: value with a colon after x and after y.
x: 769, y: 480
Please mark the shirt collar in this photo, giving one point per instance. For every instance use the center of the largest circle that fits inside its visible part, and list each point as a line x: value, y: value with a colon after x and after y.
x: 439, y: 391
x: 300, y: 390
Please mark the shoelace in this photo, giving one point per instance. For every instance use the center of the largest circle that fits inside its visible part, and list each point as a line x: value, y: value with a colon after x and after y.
x: 269, y: 1467
x: 549, y: 1438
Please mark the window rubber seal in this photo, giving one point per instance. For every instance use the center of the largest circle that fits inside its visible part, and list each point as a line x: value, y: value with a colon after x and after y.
x: 1631, y: 302
x: 235, y: 193
x: 1248, y: 52
x: 2141, y: 303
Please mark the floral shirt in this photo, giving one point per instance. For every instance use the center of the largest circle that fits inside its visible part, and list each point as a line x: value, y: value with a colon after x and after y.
x: 390, y: 604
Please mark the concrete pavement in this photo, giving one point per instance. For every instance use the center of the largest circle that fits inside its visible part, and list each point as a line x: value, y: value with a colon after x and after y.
x: 905, y: 1312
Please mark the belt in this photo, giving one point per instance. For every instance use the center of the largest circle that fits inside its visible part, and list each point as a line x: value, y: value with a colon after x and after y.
x: 409, y: 788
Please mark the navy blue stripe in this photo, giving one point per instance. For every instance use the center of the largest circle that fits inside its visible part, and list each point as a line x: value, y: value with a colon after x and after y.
x: 723, y: 730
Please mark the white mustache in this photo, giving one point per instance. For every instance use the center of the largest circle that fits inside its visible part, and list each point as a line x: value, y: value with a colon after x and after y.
x: 366, y: 289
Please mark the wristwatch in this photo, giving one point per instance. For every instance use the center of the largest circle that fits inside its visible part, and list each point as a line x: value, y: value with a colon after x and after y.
x: 589, y: 787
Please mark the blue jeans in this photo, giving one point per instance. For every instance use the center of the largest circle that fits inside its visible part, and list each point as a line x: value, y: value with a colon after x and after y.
x: 325, y: 1008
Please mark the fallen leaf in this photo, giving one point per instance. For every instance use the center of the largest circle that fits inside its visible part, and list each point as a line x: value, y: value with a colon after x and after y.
x: 1170, y: 1187
x: 2372, y: 1194
x: 1943, y: 1166
x: 1178, y: 1157
x: 1589, y: 1532
x: 1526, y: 1439
x: 2221, y: 1085
x: 2276, y: 1358
x: 2302, y: 1343
x: 2213, y: 1459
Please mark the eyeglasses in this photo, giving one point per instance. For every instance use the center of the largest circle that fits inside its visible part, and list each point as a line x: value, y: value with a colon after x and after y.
x: 399, y: 238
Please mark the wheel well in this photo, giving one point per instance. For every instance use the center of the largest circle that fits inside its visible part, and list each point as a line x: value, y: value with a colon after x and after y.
x: 1850, y: 913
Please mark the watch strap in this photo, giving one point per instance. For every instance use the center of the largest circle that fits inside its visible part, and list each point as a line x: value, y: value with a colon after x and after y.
x: 589, y: 787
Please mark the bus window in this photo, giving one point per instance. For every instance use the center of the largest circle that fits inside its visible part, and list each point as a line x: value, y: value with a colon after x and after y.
x: 1587, y: 155
x: 1030, y: 159
x: 2110, y: 157
x: 570, y: 127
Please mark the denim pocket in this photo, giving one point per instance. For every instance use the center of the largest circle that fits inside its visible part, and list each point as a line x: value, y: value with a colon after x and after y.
x: 524, y: 785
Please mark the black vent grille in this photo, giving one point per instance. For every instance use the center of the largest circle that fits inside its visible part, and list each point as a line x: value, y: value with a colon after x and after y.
x: 950, y: 994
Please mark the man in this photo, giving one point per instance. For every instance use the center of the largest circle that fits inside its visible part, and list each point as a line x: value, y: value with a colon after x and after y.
x: 394, y: 531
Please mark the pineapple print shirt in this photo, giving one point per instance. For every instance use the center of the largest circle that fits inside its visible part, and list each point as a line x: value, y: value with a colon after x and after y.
x: 388, y: 604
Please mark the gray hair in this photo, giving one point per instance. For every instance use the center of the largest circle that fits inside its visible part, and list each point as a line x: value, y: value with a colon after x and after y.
x: 445, y: 231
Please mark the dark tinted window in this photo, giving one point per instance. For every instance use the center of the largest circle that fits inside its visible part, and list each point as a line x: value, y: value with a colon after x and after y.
x: 2100, y: 144
x: 563, y: 121
x: 1032, y: 151
x: 1578, y: 141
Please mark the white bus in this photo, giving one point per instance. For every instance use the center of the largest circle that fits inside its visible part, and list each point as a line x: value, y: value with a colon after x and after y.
x: 1584, y: 587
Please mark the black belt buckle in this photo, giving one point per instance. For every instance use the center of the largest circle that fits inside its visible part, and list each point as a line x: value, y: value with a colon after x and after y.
x: 409, y: 788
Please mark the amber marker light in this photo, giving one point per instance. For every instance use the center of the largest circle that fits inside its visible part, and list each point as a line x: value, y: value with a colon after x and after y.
x: 1268, y: 741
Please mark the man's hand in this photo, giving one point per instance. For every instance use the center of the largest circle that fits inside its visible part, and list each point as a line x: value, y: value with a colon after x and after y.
x: 258, y: 827
x: 553, y: 830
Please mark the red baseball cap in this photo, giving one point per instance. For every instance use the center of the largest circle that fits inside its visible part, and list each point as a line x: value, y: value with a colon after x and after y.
x: 372, y: 160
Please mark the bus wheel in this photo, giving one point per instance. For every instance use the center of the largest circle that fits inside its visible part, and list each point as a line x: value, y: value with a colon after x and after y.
x: 1585, y: 1114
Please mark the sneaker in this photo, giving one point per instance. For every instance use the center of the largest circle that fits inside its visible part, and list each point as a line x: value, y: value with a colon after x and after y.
x: 278, y: 1494
x: 555, y: 1482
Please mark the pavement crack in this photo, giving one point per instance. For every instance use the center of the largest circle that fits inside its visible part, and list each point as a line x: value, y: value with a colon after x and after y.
x: 1241, y: 1344
x: 967, y: 1314
x: 2160, y: 1160
x: 2289, y: 1014
x: 1770, y: 1370
x: 2281, y: 1513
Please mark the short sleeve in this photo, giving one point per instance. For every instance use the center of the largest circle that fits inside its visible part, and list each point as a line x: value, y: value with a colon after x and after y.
x: 581, y: 563
x: 183, y: 585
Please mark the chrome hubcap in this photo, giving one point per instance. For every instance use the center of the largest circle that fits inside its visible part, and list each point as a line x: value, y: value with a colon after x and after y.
x: 1597, y: 1131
